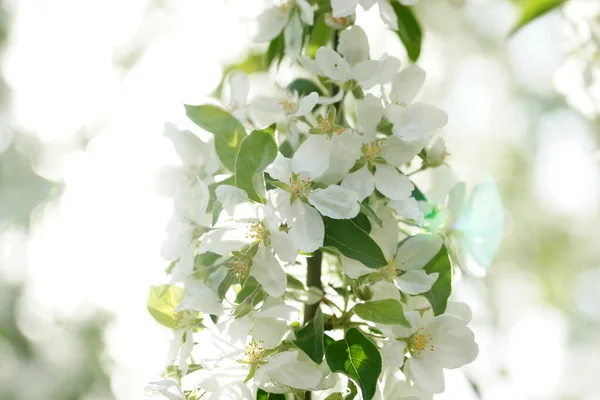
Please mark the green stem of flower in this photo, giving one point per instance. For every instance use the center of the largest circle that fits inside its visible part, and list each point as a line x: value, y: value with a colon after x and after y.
x: 313, y: 278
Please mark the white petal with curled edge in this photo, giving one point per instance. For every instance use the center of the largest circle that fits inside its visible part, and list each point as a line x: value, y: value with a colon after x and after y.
x: 354, y: 45
x: 307, y: 103
x: 331, y: 100
x: 239, y: 85
x: 392, y: 183
x: 386, y: 235
x: 388, y: 15
x: 189, y: 147
x: 268, y: 272
x: 305, y: 226
x: 270, y: 24
x: 200, y: 298
x: 224, y: 240
x: 361, y: 182
x: 343, y: 8
x: 333, y: 65
x: 307, y: 14
x: 346, y: 148
x: 407, y: 84
x: 284, y: 246
x: 416, y: 282
x: 312, y: 157
x: 428, y: 374
x: 427, y: 116
x: 388, y: 67
x: 416, y: 251
x: 335, y: 202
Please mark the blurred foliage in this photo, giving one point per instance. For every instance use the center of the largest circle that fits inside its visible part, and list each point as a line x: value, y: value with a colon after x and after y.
x: 40, y: 357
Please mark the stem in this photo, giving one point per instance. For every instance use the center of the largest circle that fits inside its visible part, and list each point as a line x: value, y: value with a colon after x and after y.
x: 313, y: 278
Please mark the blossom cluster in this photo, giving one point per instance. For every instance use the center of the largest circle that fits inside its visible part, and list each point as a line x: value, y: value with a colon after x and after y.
x: 316, y: 180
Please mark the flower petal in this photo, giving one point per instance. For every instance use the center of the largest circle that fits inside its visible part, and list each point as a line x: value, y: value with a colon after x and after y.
x: 426, y: 373
x: 416, y: 251
x: 239, y: 85
x: 293, y: 37
x: 392, y: 354
x: 280, y: 168
x: 306, y: 226
x: 333, y: 65
x: 427, y: 117
x: 335, y: 202
x: 307, y: 14
x: 343, y: 8
x: 416, y: 282
x: 361, y: 182
x: 398, y: 152
x: 369, y: 112
x: 392, y: 183
x: 388, y: 15
x: 312, y: 157
x: 307, y: 103
x: 268, y: 272
x: 354, y: 269
x: 270, y: 24
x: 407, y: 84
x: 354, y: 45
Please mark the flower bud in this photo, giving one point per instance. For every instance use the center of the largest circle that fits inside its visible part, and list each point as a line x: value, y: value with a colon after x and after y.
x: 436, y: 153
x: 364, y: 293
x: 242, y: 310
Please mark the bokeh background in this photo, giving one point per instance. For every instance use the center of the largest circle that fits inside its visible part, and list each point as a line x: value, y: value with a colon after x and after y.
x: 86, y: 85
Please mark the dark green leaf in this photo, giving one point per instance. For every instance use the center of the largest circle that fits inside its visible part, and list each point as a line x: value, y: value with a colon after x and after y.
x: 387, y: 312
x: 358, y: 358
x: 304, y: 87
x: 162, y: 300
x: 353, y: 242
x: 365, y: 209
x: 262, y: 395
x: 276, y: 49
x: 310, y: 339
x: 417, y: 194
x: 409, y: 30
x: 257, y: 151
x: 353, y: 391
x: 228, y: 131
x: 533, y: 9
x: 441, y: 289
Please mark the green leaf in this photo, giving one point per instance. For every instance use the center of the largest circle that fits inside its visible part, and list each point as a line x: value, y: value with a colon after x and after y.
x: 409, y: 30
x: 533, y: 9
x: 358, y: 358
x: 335, y: 396
x: 320, y: 33
x: 441, y: 289
x: 228, y: 131
x: 162, y: 300
x: 262, y: 395
x: 365, y: 209
x: 353, y: 242
x: 257, y: 151
x: 304, y: 87
x: 276, y: 49
x: 310, y: 339
x: 387, y: 312
x: 353, y: 391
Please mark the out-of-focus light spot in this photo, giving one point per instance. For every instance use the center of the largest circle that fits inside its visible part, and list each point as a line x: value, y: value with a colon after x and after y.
x: 13, y: 262
x: 587, y: 293
x: 536, y: 350
x: 567, y: 177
